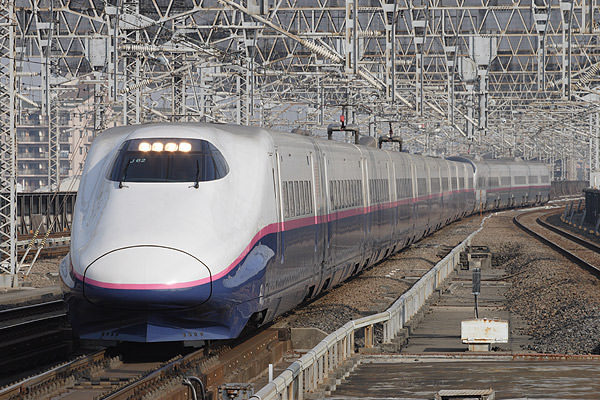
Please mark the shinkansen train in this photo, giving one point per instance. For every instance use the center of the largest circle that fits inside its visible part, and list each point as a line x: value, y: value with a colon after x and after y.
x: 191, y: 232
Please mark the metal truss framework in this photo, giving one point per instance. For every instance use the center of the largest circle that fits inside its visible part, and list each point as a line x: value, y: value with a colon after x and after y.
x: 8, y: 189
x: 465, y: 70
x: 469, y: 68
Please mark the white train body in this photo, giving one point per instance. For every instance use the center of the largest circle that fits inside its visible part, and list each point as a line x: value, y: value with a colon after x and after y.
x: 192, y: 231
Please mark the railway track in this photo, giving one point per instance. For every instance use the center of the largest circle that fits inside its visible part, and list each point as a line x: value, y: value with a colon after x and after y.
x: 131, y: 375
x: 56, y: 244
x: 33, y: 335
x: 579, y: 250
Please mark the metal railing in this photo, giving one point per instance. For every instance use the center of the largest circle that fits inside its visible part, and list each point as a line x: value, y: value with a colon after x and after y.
x: 315, y: 367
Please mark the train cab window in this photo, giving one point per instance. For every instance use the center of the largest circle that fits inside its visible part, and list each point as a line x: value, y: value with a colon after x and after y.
x: 168, y: 160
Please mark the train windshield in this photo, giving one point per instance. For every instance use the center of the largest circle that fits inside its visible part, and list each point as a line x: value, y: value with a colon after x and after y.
x: 168, y: 160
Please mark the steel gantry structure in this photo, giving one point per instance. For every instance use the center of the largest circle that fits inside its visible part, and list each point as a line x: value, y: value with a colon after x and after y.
x: 498, y: 78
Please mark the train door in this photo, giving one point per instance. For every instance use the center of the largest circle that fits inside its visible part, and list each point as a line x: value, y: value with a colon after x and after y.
x: 394, y: 200
x: 316, y: 193
x: 366, y: 220
x: 279, y: 200
x: 413, y: 200
x: 388, y: 213
x: 327, y: 263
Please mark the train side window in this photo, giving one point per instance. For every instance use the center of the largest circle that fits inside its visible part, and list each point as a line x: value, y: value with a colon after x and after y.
x: 421, y: 186
x: 345, y: 192
x: 292, y: 199
x: 307, y: 207
x: 435, y: 185
x: 470, y: 182
x: 461, y: 183
x: 333, y: 195
x: 444, y: 184
x: 520, y: 180
x: 302, y: 198
x: 505, y: 181
x: 454, y: 183
x: 349, y: 194
x: 360, y: 193
x: 286, y: 202
x: 372, y: 190
x: 545, y: 179
x: 533, y: 179
x: 306, y: 197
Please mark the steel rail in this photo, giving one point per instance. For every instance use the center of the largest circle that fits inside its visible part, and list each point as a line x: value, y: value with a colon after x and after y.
x: 571, y: 256
x: 23, y: 387
x: 8, y: 313
x: 45, y: 318
x: 579, y: 240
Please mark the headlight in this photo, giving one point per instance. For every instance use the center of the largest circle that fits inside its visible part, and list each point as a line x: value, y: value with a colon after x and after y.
x: 157, y: 146
x: 171, y: 147
x: 144, y: 146
x: 185, y: 147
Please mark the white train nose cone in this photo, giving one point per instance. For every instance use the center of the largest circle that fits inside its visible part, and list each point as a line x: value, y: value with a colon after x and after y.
x: 148, y: 276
